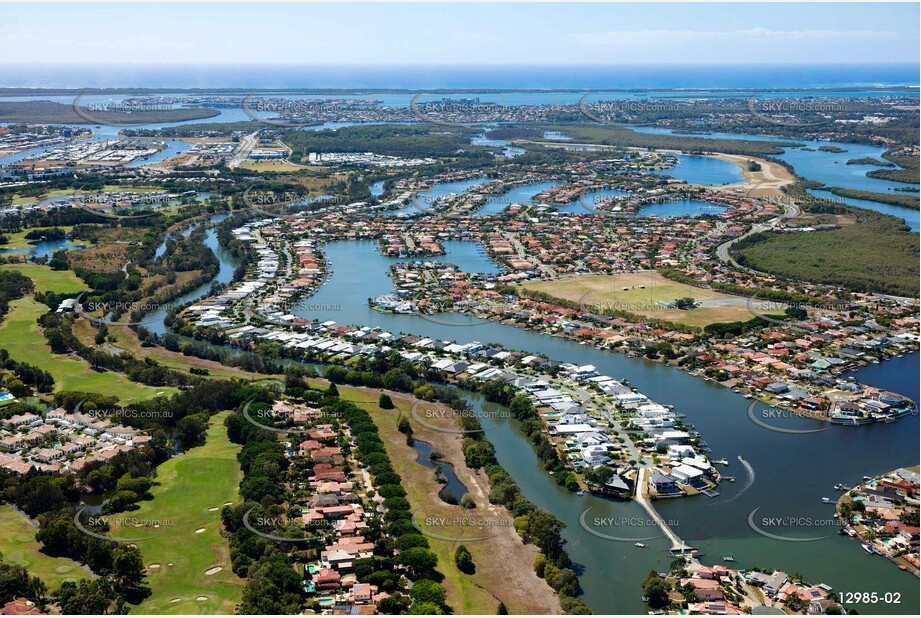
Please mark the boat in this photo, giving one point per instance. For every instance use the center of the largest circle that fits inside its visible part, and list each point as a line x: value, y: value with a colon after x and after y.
x: 581, y: 492
x: 826, y: 500
x: 722, y: 462
x: 640, y: 544
x: 731, y: 479
x: 729, y: 558
x: 867, y: 548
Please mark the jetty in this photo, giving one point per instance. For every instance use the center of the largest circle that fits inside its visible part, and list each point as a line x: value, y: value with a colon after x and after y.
x: 678, y: 545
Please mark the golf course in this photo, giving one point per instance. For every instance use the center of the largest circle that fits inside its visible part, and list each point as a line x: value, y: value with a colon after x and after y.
x: 18, y: 546
x: 187, y: 559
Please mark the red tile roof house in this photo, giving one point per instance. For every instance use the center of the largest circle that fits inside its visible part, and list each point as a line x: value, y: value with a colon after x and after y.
x: 813, y: 593
x: 362, y: 593
x: 326, y: 578
x: 20, y: 607
x: 705, y: 589
x: 330, y: 454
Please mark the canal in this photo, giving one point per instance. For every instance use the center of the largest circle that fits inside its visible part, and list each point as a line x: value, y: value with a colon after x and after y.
x: 792, y: 472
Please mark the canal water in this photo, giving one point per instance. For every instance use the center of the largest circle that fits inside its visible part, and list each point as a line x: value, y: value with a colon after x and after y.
x: 154, y: 321
x: 453, y: 490
x: 703, y: 171
x: 792, y: 472
x: 809, y: 162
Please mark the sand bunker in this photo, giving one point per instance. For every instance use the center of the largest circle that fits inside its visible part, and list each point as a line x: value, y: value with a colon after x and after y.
x: 213, y: 570
x: 214, y: 508
x: 154, y: 566
x: 199, y: 531
x: 201, y: 598
x: 176, y: 600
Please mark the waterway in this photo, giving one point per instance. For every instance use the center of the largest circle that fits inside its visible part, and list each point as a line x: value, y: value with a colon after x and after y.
x: 809, y: 162
x: 45, y: 248
x: 454, y: 489
x: 792, y: 472
x: 154, y: 321
x: 703, y: 171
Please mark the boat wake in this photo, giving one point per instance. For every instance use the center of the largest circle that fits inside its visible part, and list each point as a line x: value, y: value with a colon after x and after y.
x: 749, y: 481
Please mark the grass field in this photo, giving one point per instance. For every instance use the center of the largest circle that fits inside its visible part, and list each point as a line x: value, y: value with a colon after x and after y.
x: 22, y: 336
x: 510, y: 579
x: 644, y: 290
x: 271, y: 166
x: 18, y: 546
x: 189, y: 487
x: 47, y: 280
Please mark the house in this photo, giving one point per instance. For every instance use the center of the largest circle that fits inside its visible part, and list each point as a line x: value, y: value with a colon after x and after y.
x: 705, y: 589
x: 20, y: 607
x: 326, y: 578
x: 663, y: 483
x: 771, y: 583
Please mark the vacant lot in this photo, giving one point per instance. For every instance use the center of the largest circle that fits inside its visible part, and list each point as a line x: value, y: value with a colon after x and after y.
x: 503, y: 563
x: 18, y: 546
x: 647, y: 294
x: 190, y: 492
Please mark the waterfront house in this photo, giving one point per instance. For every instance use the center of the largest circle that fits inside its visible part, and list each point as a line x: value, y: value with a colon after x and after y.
x: 663, y: 483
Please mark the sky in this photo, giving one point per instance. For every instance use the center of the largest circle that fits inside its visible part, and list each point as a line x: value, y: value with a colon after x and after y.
x: 467, y: 34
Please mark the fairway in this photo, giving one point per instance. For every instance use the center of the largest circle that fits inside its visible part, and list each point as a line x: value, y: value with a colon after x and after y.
x: 18, y: 546
x: 644, y: 291
x: 23, y: 338
x: 47, y: 280
x: 189, y: 486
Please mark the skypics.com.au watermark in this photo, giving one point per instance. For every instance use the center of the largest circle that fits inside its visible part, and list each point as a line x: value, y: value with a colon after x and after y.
x: 475, y: 202
x: 621, y: 112
x: 786, y: 112
x: 764, y: 416
x: 83, y: 200
x: 436, y: 310
x: 85, y: 309
x: 772, y: 527
x: 319, y: 527
x: 458, y: 112
x: 459, y: 529
x: 623, y: 529
x: 98, y: 112
x: 259, y: 416
x: 96, y: 522
x: 425, y: 413
x: 259, y: 200
x: 290, y: 113
x: 121, y: 413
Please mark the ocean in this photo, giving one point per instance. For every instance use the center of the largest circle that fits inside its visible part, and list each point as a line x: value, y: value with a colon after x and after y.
x: 461, y: 77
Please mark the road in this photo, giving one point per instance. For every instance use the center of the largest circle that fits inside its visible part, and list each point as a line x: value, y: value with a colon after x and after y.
x: 246, y: 146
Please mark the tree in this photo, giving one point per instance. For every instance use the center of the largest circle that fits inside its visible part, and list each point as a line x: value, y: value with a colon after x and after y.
x: 464, y: 560
x: 426, y: 609
x: 502, y: 609
x: 427, y: 591
x: 419, y: 560
x: 385, y: 402
x: 655, y: 590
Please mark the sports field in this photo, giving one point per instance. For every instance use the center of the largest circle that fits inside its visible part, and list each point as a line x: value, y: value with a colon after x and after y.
x: 188, y: 544
x: 18, y: 546
x: 646, y: 293
x: 21, y: 335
